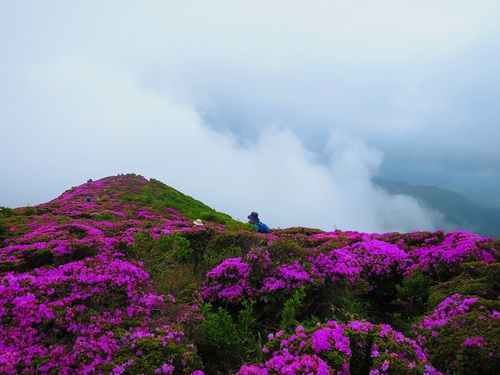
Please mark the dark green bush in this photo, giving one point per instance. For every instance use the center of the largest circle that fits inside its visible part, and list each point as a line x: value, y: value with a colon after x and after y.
x: 7, y: 212
x: 413, y: 293
x: 107, y: 217
x: 286, y: 251
x: 173, y: 246
x: 199, y: 241
x: 213, y: 258
x: 28, y: 211
x: 219, y: 346
x: 290, y: 310
x: 493, y: 275
x: 232, y: 239
x: 230, y: 339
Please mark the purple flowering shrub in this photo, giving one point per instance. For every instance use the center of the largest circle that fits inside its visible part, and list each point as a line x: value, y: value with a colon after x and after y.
x: 334, y: 348
x: 396, y: 272
x: 449, y: 260
x: 272, y: 272
x: 71, y: 304
x: 464, y: 310
x: 228, y: 282
x: 77, y: 317
x: 443, y: 260
x: 256, y: 275
x: 270, y: 275
x: 382, y: 267
x: 112, y: 285
x: 462, y: 335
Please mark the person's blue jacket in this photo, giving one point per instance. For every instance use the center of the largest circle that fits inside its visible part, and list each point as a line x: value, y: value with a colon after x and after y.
x: 261, y: 227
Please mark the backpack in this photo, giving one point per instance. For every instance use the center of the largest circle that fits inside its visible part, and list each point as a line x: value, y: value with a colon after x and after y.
x: 263, y: 228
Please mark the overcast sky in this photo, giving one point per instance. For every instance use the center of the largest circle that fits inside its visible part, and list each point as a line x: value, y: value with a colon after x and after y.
x: 288, y: 108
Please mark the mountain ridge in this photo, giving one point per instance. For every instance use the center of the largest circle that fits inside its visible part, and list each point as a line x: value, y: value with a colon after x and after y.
x: 458, y: 210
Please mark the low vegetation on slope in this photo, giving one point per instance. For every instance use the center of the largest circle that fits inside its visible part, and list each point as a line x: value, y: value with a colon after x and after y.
x: 112, y: 277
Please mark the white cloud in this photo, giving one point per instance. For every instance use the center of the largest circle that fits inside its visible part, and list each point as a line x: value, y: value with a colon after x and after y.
x: 92, y: 124
x: 284, y: 108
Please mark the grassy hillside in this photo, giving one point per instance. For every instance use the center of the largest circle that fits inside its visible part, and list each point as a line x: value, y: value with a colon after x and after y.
x: 126, y: 284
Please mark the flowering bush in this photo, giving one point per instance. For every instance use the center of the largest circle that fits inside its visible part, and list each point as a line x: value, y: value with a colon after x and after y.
x: 77, y: 317
x: 112, y: 285
x: 333, y: 348
x: 461, y: 335
x: 443, y: 260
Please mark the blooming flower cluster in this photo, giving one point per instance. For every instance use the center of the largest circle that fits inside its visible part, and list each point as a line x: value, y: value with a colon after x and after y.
x: 466, y: 324
x: 334, y: 348
x: 372, y: 260
x: 69, y: 224
x: 451, y: 307
x: 87, y: 303
x: 457, y: 248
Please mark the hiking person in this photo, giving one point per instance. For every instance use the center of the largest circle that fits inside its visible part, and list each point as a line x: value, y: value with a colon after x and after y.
x: 257, y: 225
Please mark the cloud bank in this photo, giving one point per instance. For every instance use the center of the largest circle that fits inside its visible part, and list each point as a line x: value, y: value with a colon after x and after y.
x: 275, y: 107
x: 107, y: 125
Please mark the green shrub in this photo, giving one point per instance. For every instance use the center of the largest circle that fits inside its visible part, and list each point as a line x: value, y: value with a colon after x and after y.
x: 219, y: 347
x: 286, y: 251
x: 28, y: 211
x: 231, y: 239
x: 7, y: 212
x: 218, y: 327
x: 199, y: 241
x: 346, y: 306
x: 214, y: 258
x: 493, y: 275
x: 250, y: 342
x: 168, y: 260
x: 290, y: 309
x: 413, y: 293
x: 174, y: 245
x: 107, y: 217
x: 229, y: 338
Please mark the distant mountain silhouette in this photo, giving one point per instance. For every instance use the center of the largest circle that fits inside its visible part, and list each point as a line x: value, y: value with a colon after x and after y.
x: 457, y: 209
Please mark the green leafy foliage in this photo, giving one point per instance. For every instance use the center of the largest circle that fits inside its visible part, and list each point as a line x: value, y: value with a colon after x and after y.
x: 290, y: 309
x: 229, y: 338
x: 220, y: 338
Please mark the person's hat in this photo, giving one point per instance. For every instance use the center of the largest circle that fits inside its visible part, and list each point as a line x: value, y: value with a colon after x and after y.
x: 198, y: 222
x: 254, y: 217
